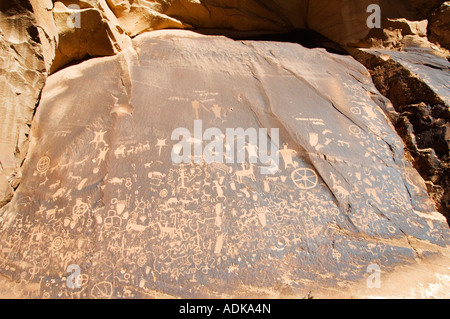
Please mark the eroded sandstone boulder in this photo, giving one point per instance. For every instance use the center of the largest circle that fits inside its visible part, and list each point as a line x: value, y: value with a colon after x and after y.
x: 104, y: 193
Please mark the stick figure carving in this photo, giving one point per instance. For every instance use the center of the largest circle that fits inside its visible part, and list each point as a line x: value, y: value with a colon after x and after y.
x: 99, y: 138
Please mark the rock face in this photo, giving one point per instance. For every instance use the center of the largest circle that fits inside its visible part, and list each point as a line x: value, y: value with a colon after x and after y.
x: 416, y: 80
x: 73, y: 31
x: 21, y: 79
x: 108, y: 24
x: 304, y: 155
x: 330, y: 18
x: 103, y: 189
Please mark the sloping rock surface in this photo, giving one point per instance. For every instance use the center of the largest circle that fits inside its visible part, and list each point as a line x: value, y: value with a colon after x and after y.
x: 101, y: 192
x: 74, y: 30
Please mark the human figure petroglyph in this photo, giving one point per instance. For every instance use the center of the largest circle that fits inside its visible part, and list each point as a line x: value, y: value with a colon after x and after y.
x: 101, y: 156
x: 219, y: 189
x: 99, y: 138
x: 183, y: 177
x: 217, y: 111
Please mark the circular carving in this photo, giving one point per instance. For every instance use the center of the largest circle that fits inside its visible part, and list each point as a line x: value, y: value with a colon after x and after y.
x: 355, y: 130
x: 355, y: 110
x: 304, y: 178
x: 83, y: 280
x: 142, y: 260
x: 57, y: 243
x: 163, y: 193
x: 43, y: 165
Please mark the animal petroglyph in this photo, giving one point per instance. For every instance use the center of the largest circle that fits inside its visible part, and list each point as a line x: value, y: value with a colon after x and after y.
x: 113, y: 201
x: 246, y: 172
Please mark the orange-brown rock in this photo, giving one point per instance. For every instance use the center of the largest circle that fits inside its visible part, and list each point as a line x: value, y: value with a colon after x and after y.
x: 102, y: 193
x: 439, y: 26
x: 21, y: 79
x: 104, y: 24
x: 76, y: 30
x: 126, y: 186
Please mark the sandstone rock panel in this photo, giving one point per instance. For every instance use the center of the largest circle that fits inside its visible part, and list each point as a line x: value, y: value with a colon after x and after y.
x: 416, y: 80
x: 439, y: 26
x: 101, y: 191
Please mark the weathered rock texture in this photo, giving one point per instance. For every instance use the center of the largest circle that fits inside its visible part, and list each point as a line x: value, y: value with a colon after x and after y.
x: 21, y: 79
x: 440, y: 25
x: 108, y: 23
x: 77, y: 30
x: 101, y: 191
x: 416, y: 79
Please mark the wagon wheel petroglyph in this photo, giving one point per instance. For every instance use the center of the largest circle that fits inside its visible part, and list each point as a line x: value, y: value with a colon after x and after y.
x: 304, y: 178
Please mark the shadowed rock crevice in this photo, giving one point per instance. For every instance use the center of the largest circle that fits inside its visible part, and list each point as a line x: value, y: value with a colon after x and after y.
x: 100, y: 187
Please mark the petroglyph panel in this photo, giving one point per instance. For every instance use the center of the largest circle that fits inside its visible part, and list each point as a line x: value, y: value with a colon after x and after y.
x: 102, y: 192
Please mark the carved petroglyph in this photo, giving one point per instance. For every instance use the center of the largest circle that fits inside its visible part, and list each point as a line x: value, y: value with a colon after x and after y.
x: 246, y: 172
x: 151, y: 221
